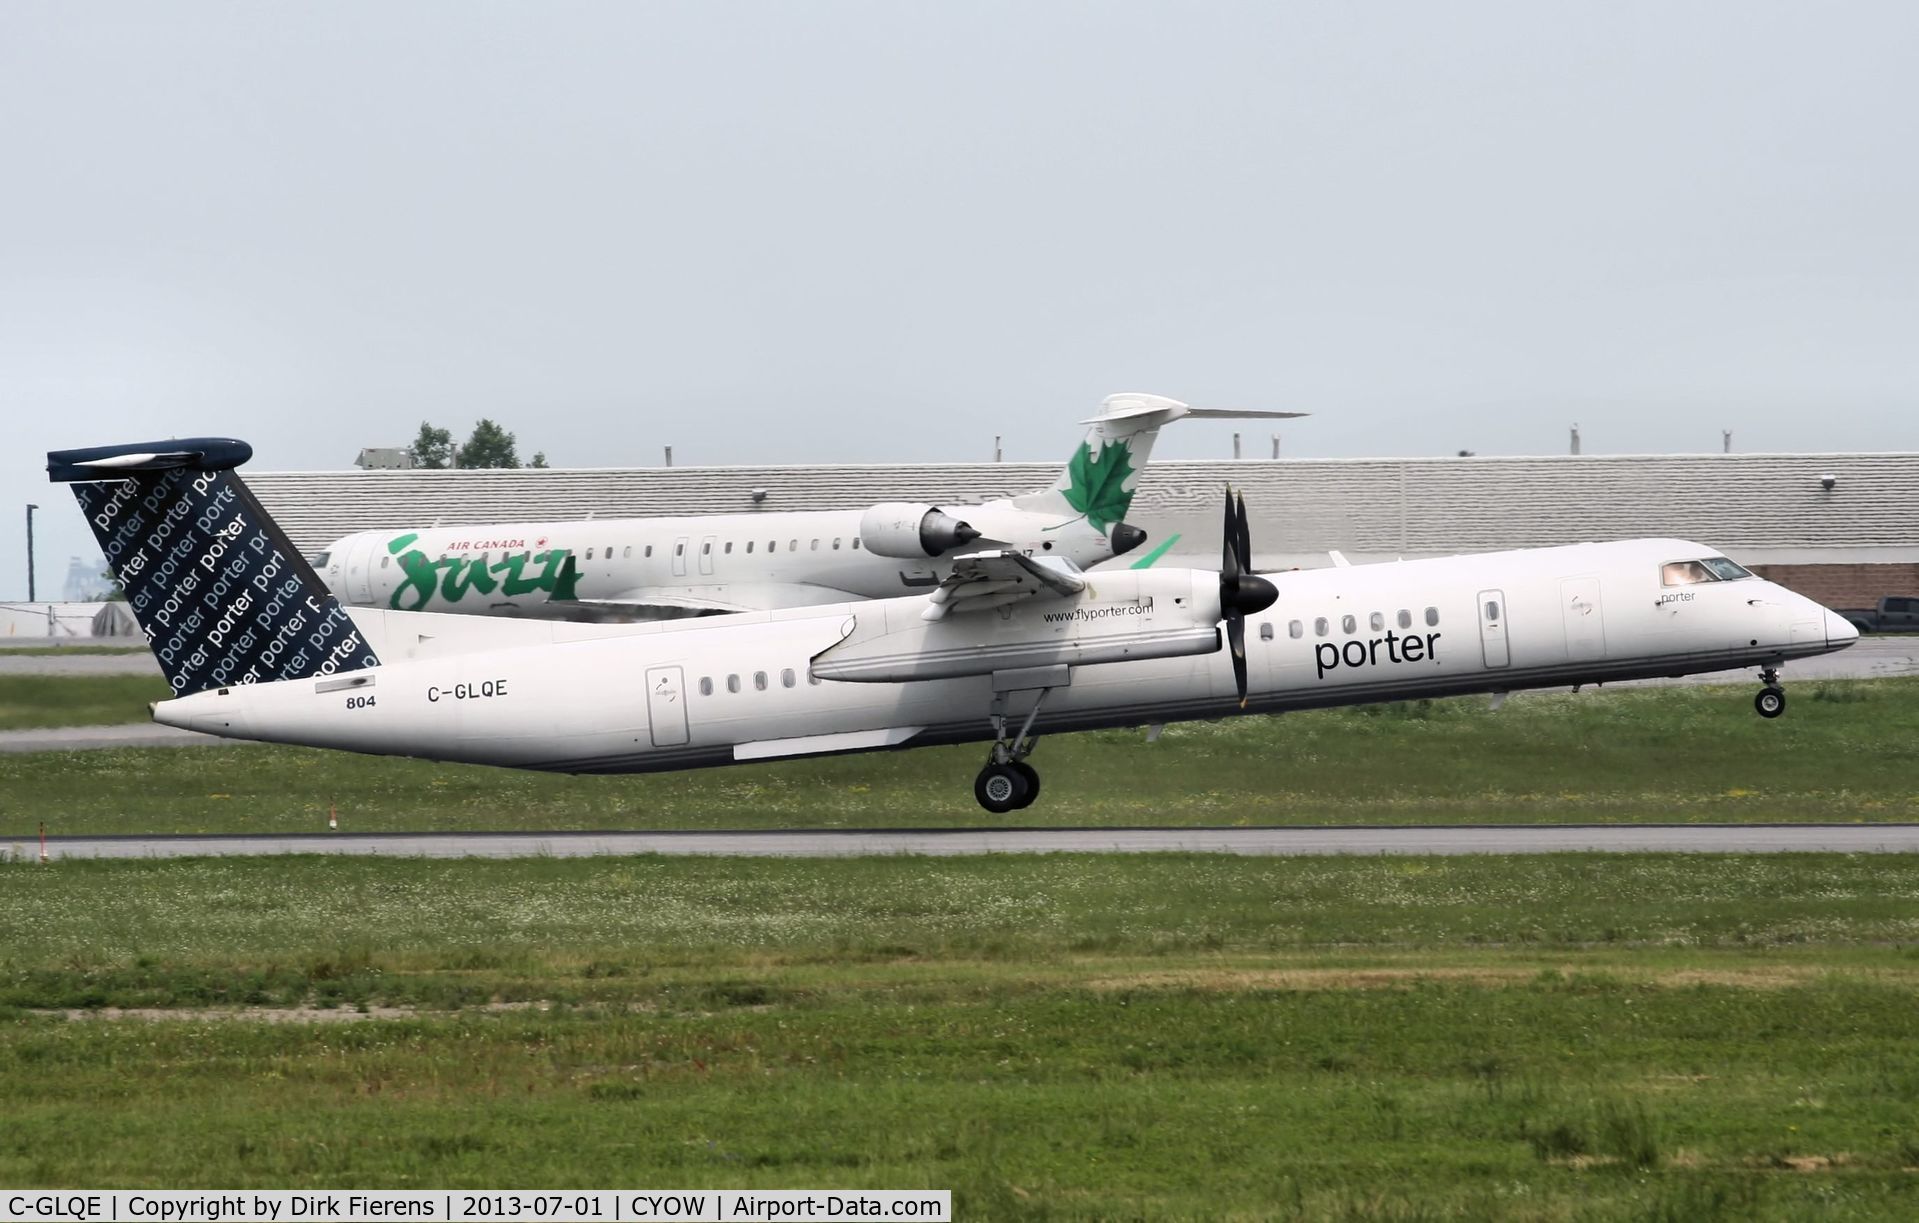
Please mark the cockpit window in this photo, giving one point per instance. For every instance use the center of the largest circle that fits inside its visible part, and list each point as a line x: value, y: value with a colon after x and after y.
x: 1685, y: 573
x: 1706, y: 569
x: 1726, y: 570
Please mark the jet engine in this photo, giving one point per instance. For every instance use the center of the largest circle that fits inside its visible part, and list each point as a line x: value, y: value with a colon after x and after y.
x: 912, y: 532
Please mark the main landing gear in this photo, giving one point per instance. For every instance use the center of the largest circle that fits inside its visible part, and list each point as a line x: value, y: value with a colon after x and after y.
x: 1771, y: 701
x: 1008, y: 783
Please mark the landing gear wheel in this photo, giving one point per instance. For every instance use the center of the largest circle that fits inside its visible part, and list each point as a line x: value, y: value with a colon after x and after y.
x: 1771, y: 702
x: 1001, y: 788
x: 1031, y: 775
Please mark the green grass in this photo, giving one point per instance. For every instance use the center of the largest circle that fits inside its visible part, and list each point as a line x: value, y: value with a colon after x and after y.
x: 1846, y: 751
x: 1580, y: 1037
x: 31, y: 702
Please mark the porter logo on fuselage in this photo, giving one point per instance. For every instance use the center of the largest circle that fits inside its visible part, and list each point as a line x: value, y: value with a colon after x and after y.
x: 1413, y: 647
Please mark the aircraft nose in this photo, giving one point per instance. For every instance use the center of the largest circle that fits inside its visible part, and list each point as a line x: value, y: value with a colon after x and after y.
x: 1840, y: 632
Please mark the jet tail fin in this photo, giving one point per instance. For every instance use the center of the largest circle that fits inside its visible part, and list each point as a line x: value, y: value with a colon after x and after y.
x: 221, y: 594
x: 1098, y: 481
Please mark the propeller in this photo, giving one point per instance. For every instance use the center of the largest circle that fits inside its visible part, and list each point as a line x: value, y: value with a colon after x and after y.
x: 1242, y: 592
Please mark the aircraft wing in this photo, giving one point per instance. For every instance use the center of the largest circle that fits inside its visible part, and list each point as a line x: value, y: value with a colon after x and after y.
x: 663, y: 602
x: 983, y: 580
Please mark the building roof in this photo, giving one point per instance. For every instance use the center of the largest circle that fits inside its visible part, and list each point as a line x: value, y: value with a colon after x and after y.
x: 1765, y: 508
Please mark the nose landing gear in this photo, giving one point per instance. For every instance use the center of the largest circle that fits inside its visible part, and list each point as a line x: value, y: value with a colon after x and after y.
x: 1771, y: 701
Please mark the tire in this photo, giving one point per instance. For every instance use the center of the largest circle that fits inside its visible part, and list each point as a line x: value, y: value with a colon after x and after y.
x: 1771, y: 702
x: 1001, y: 788
x: 1031, y: 775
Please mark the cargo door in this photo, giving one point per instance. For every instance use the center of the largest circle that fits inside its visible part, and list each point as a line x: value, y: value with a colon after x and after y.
x: 666, y: 705
x: 1585, y: 622
x: 1492, y: 628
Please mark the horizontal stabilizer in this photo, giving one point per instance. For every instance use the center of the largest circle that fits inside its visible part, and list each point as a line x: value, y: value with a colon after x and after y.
x: 118, y: 462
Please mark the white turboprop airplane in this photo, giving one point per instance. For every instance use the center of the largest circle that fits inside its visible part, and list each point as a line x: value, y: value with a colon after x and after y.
x: 1006, y: 647
x: 654, y: 568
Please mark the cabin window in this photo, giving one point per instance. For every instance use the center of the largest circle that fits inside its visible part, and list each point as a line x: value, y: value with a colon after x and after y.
x: 706, y: 685
x: 384, y: 560
x: 1266, y: 631
x: 786, y: 678
x: 1432, y: 617
x: 1378, y: 622
x: 648, y: 552
x: 772, y: 545
x: 1321, y: 628
x: 1492, y: 611
x: 1405, y: 618
x: 816, y: 545
x: 607, y: 552
x: 729, y: 547
x: 732, y: 683
x: 706, y: 549
x: 792, y: 545
x: 626, y: 553
x: 1295, y: 629
x: 589, y: 554
x: 679, y: 549
x: 759, y: 681
x: 1348, y: 624
x: 749, y: 545
x: 836, y: 545
x: 856, y: 543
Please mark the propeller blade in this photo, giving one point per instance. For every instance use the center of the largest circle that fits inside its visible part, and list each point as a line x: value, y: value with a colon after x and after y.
x: 1245, y: 538
x: 1236, y: 633
x: 1229, y: 534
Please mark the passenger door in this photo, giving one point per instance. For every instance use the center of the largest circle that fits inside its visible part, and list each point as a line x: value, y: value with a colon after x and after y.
x: 666, y: 705
x: 1492, y: 628
x: 1585, y: 622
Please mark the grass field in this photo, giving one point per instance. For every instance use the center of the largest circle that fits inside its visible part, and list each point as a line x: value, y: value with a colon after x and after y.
x: 1846, y: 751
x: 38, y: 701
x: 1578, y: 1037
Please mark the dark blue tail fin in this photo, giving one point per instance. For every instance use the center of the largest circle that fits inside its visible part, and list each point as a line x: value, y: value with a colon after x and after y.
x: 222, y: 595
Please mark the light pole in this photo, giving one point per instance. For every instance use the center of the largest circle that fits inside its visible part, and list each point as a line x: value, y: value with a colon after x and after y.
x: 30, y: 590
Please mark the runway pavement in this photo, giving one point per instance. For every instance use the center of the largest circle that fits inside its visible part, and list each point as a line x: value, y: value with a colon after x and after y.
x: 947, y: 842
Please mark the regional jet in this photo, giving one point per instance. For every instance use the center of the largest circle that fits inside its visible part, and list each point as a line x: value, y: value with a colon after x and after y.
x: 1006, y: 647
x: 656, y: 568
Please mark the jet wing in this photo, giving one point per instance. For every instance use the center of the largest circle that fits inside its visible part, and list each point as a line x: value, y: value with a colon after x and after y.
x: 658, y: 603
x: 983, y: 580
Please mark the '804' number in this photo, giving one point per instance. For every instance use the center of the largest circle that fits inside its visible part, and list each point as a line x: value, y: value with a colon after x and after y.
x: 359, y: 702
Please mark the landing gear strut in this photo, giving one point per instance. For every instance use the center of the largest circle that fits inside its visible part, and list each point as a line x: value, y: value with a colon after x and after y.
x: 1008, y: 783
x: 1771, y: 701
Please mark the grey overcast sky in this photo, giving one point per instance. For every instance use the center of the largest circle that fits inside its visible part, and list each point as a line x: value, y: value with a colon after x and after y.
x: 815, y: 231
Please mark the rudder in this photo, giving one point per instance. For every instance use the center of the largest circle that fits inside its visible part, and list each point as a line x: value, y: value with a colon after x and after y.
x: 220, y: 592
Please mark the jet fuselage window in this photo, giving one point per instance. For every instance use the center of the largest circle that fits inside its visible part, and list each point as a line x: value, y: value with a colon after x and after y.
x: 706, y: 549
x: 793, y: 545
x: 856, y: 543
x: 1266, y: 631
x: 626, y: 553
x: 772, y: 545
x: 1321, y: 628
x: 1685, y: 573
x: 1492, y: 610
x: 816, y: 545
x: 706, y: 685
x: 729, y: 547
x: 1405, y: 618
x: 1432, y: 617
x: 384, y: 560
x: 836, y: 545
x: 649, y: 551
x: 1295, y: 629
x: 732, y: 683
x: 1378, y: 622
x: 1348, y: 624
x: 749, y: 545
x: 759, y: 680
x: 678, y: 550
x: 786, y: 678
x: 589, y: 554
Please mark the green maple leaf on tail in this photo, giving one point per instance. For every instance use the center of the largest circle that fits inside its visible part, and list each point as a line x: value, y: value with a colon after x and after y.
x: 1096, y: 483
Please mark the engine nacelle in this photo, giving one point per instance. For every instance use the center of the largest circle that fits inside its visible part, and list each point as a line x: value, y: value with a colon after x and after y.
x: 911, y: 531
